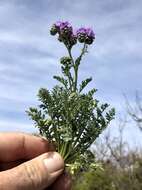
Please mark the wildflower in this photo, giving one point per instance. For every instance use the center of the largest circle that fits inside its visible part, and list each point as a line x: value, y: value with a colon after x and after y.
x: 85, y: 35
x: 73, y: 39
x: 67, y: 116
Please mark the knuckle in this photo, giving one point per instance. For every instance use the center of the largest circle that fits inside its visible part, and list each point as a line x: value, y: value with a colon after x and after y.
x: 33, y: 175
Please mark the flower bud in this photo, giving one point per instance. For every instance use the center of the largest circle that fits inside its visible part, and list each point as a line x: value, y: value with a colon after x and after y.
x: 73, y: 39
x: 66, y: 61
x: 88, y: 40
x: 81, y: 38
x: 53, y: 30
x: 85, y: 35
x: 66, y: 32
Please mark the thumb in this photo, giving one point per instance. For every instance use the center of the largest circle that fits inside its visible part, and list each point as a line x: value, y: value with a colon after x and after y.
x: 35, y: 174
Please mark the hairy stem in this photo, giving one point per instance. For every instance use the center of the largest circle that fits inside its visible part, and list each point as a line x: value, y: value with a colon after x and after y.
x: 75, y: 70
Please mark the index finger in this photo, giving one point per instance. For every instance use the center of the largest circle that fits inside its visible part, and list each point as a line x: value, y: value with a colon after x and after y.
x: 15, y: 146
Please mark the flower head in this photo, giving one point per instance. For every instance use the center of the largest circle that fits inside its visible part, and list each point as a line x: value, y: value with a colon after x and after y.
x: 58, y: 24
x: 81, y: 31
x: 73, y: 39
x: 64, y: 28
x: 65, y: 32
x: 90, y: 32
x: 64, y: 25
x: 61, y: 28
x: 69, y: 37
x: 85, y: 35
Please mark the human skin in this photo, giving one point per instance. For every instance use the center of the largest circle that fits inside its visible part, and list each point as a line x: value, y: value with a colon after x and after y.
x: 29, y: 162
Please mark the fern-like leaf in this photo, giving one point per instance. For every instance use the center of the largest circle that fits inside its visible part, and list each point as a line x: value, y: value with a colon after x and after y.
x: 61, y: 80
x: 84, y: 83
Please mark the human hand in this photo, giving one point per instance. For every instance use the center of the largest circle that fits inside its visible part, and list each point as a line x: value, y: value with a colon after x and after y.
x: 29, y: 163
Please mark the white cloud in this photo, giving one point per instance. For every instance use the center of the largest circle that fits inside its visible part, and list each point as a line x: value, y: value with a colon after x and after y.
x: 7, y: 126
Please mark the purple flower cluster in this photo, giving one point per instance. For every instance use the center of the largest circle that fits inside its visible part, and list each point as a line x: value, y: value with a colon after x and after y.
x: 85, y: 35
x: 67, y: 35
x: 64, y: 27
x: 65, y: 31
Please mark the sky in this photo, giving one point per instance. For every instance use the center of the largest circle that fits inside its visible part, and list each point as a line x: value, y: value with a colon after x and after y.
x: 29, y: 56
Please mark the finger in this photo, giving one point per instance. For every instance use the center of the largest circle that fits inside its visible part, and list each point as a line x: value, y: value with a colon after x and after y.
x: 36, y: 174
x: 8, y: 165
x: 15, y: 146
x: 63, y: 182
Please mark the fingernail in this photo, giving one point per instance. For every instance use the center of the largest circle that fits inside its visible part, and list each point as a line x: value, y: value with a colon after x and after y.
x: 54, y: 162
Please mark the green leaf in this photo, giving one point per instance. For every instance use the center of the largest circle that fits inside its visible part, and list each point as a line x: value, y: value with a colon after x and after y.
x: 91, y: 92
x: 61, y: 80
x: 84, y: 83
x: 78, y: 60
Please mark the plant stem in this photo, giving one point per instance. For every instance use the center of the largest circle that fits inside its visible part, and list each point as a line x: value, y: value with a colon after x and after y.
x: 76, y: 78
x: 69, y: 74
x: 70, y: 80
x: 76, y: 64
x: 70, y: 54
x: 75, y: 70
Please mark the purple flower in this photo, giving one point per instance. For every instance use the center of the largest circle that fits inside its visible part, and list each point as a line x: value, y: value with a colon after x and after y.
x: 90, y: 32
x: 69, y: 37
x: 85, y: 31
x: 63, y: 25
x: 74, y: 35
x: 85, y: 35
x: 58, y: 23
x: 65, y: 30
x: 81, y: 31
x: 73, y: 39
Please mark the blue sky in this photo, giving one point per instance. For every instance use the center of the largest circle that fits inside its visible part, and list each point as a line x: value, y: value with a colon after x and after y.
x: 29, y: 55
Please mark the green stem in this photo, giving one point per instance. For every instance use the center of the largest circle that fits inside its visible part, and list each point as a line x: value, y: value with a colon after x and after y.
x: 72, y: 157
x: 70, y: 80
x: 64, y: 150
x: 76, y: 77
x: 68, y: 152
x: 74, y: 82
x: 70, y: 76
x: 70, y: 54
x: 76, y: 64
x: 75, y: 71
